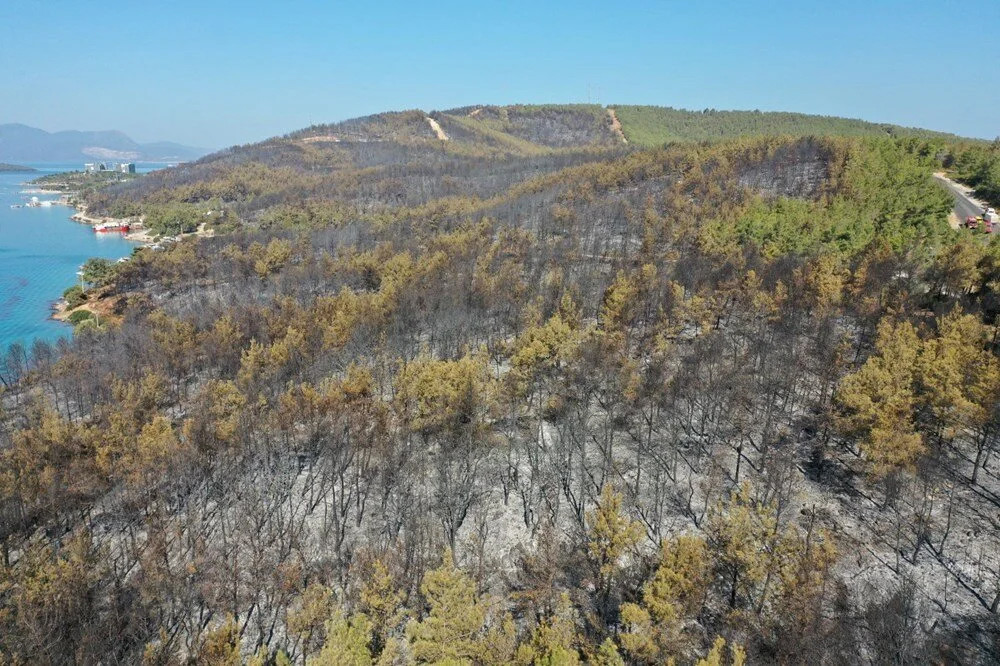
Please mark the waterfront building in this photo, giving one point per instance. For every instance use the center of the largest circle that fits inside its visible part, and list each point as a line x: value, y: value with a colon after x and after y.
x: 97, y: 167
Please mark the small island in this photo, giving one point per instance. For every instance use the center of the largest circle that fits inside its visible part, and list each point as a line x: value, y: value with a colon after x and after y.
x: 16, y: 168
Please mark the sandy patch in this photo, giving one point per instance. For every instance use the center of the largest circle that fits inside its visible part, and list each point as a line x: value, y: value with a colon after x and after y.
x: 323, y: 138
x: 616, y: 127
x: 437, y: 129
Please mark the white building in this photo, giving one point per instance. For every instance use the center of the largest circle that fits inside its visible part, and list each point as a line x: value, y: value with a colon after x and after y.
x: 96, y: 167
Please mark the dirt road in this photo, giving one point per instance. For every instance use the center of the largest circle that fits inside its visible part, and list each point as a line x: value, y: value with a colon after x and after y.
x: 616, y: 127
x: 437, y: 129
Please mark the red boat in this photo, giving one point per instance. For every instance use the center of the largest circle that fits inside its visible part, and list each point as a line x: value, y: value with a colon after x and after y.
x: 106, y: 227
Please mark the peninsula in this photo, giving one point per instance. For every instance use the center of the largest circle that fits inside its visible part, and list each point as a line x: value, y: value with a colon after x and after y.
x: 82, y: 181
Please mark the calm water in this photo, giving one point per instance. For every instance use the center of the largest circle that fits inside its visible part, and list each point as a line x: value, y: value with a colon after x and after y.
x: 41, y: 250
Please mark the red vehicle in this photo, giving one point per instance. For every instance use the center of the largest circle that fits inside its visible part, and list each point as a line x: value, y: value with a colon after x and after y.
x: 971, y: 223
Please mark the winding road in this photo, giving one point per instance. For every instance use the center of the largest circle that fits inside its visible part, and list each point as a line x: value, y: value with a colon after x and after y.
x: 965, y: 204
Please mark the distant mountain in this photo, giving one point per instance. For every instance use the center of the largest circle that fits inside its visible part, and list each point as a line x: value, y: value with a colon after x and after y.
x: 15, y: 168
x: 21, y: 143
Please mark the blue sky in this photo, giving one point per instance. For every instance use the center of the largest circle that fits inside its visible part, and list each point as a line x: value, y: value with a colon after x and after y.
x: 213, y: 73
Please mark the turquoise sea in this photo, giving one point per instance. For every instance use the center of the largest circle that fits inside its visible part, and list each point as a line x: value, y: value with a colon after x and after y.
x: 41, y: 250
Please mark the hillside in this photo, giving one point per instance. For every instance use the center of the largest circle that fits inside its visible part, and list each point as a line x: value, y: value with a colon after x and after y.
x: 370, y: 165
x: 29, y: 144
x: 503, y: 389
x: 498, y: 146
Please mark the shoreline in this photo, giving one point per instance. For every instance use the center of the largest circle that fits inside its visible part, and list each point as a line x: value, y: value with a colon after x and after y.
x: 44, y: 191
x: 53, y: 308
x: 60, y: 310
x: 102, y: 306
x: 141, y: 235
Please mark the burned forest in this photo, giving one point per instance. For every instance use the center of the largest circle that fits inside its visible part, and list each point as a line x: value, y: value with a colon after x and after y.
x: 506, y: 388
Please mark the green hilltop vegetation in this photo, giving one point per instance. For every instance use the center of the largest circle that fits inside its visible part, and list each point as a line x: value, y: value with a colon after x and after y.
x: 529, y: 395
x: 656, y: 125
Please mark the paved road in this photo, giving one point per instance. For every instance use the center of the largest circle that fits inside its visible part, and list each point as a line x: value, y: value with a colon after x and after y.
x: 964, y: 205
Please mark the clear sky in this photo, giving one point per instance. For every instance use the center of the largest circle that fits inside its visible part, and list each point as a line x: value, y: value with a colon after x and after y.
x: 213, y: 73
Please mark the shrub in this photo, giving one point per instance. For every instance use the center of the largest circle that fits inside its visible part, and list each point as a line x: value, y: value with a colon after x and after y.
x: 86, y: 325
x: 172, y: 219
x: 80, y: 315
x: 98, y: 271
x: 75, y: 296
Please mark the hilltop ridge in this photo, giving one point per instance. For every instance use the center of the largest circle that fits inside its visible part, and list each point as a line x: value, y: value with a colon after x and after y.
x: 378, y: 163
x: 535, y: 127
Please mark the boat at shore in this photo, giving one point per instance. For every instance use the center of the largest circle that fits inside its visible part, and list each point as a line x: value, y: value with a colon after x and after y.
x: 35, y: 202
x: 109, y: 227
x: 41, y: 250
